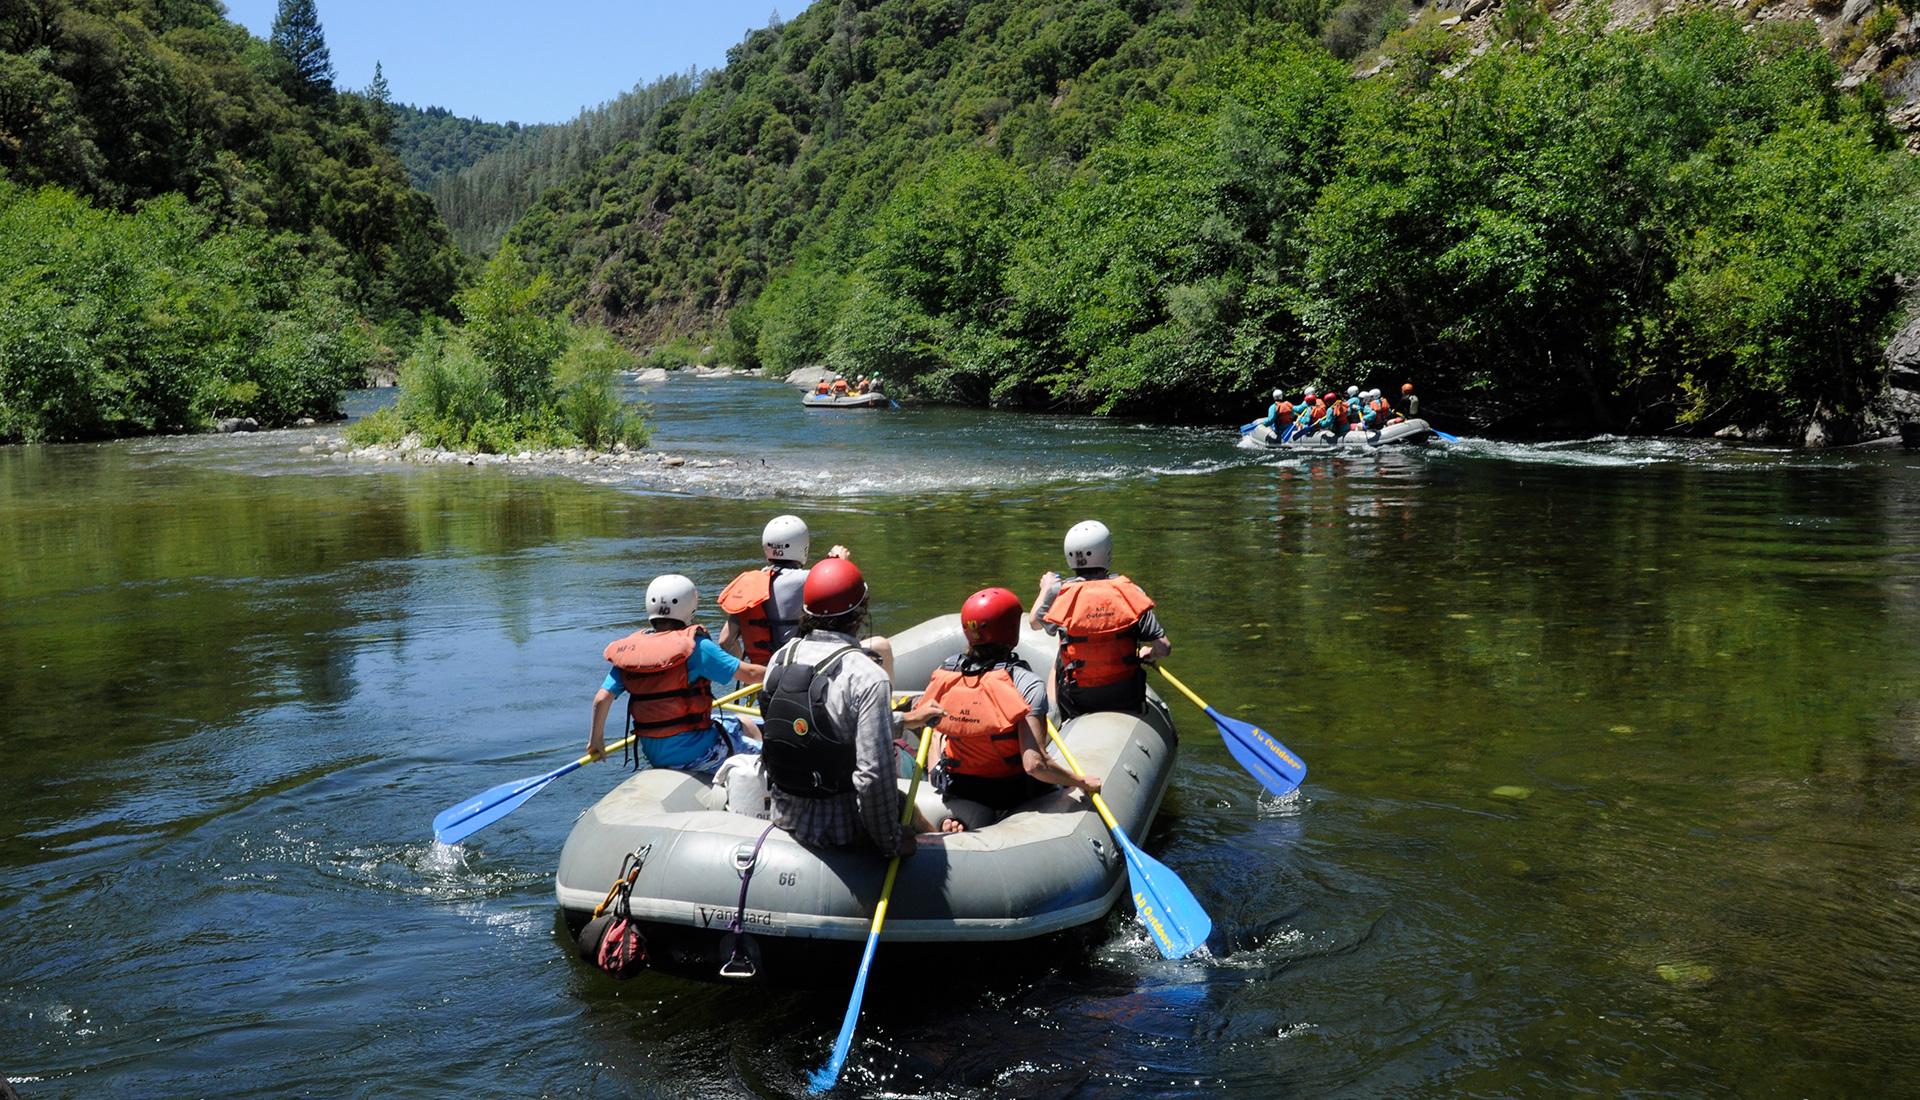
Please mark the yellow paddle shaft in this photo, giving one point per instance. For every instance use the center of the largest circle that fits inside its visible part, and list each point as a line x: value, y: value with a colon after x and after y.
x: 1099, y: 803
x: 906, y: 820
x: 1184, y: 689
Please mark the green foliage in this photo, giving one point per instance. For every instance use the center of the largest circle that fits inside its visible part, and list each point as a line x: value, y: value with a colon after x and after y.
x: 512, y: 378
x: 301, y: 48
x: 510, y: 333
x: 123, y: 101
x: 123, y: 324
x: 681, y: 351
x: 484, y: 176
x: 590, y: 403
x: 1614, y: 223
x: 1879, y: 26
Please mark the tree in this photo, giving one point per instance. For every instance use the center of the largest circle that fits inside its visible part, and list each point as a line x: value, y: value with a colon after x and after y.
x: 299, y: 43
x: 380, y: 107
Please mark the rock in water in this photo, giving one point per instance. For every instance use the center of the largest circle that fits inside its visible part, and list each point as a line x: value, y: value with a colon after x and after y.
x: 809, y: 377
x: 650, y: 376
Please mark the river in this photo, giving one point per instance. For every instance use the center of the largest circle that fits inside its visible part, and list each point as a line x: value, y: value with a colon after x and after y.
x: 1615, y: 750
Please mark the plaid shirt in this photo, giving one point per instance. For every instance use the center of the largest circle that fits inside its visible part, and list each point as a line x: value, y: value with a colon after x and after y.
x: 858, y: 696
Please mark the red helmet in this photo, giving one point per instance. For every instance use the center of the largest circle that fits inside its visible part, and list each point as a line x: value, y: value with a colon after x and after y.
x: 991, y: 616
x: 1406, y: 387
x: 834, y: 586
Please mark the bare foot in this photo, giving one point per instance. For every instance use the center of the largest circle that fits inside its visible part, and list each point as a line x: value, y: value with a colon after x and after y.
x: 952, y: 825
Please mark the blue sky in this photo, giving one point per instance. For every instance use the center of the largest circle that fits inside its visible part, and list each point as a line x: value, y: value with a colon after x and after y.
x: 522, y: 62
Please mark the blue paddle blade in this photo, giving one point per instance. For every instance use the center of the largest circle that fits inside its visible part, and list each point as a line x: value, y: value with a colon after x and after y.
x: 1173, y: 916
x: 824, y: 1078
x: 1265, y: 758
x: 456, y: 823
x: 1245, y: 428
x: 1445, y: 436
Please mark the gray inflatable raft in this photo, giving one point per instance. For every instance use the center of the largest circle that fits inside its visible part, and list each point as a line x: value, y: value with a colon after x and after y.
x: 1407, y: 431
x: 1049, y: 866
x: 874, y: 400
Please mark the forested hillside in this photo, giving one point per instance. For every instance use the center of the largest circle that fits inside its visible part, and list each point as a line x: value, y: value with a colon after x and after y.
x: 1544, y: 217
x: 435, y: 143
x: 483, y: 176
x: 195, y: 222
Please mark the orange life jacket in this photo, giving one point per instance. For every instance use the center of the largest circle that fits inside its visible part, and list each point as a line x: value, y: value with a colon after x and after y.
x: 1096, y: 620
x: 750, y: 599
x: 840, y: 386
x: 821, y: 388
x: 661, y: 702
x: 982, y: 726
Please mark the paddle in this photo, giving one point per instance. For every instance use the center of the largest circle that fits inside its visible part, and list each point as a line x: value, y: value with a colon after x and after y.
x: 1172, y: 914
x: 1264, y: 758
x: 1444, y: 436
x: 457, y: 822
x: 824, y: 1078
x: 1246, y: 428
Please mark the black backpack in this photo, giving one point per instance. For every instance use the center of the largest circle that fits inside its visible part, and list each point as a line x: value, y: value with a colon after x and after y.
x: 803, y: 752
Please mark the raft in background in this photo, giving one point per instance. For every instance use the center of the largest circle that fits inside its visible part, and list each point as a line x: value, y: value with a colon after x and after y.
x: 1407, y: 431
x: 875, y: 400
x: 1049, y: 867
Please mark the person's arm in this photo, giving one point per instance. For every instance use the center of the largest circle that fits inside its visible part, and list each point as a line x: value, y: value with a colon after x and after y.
x: 597, y: 740
x: 1049, y: 588
x: 923, y: 713
x: 874, y: 773
x: 1041, y: 766
x: 1151, y: 642
x: 730, y: 639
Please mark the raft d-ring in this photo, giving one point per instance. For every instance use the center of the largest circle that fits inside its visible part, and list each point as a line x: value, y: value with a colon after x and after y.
x: 1099, y: 849
x: 745, y: 856
x: 1142, y: 746
x: 1128, y: 768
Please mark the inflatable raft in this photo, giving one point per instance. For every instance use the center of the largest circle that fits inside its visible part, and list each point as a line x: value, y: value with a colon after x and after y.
x: 1048, y: 867
x: 1407, y: 431
x: 846, y: 401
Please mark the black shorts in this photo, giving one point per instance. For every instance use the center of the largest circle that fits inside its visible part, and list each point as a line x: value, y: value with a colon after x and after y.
x: 995, y: 794
x: 1129, y: 695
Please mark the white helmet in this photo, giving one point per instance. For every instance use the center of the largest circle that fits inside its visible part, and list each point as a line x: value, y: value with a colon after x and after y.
x: 1089, y: 545
x: 1353, y: 391
x: 786, y: 539
x: 672, y: 597
x: 1279, y: 396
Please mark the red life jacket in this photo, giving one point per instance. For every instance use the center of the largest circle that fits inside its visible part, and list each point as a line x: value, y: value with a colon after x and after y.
x: 1096, y: 618
x: 750, y: 599
x: 982, y: 726
x: 661, y: 702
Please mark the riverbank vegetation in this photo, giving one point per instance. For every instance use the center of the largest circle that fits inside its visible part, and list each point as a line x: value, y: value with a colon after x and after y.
x: 511, y: 378
x: 1125, y: 207
x: 198, y: 223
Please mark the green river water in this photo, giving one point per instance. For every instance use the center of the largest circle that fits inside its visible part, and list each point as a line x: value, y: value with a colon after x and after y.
x: 1614, y: 752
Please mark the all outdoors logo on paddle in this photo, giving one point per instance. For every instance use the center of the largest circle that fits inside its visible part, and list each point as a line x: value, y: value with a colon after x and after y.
x: 1152, y: 916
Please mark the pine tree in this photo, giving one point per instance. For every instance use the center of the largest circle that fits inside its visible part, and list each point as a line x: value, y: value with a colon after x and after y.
x: 299, y: 43
x: 380, y: 107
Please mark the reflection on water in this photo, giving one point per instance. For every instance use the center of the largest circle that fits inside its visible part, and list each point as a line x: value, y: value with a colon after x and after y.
x: 1614, y: 751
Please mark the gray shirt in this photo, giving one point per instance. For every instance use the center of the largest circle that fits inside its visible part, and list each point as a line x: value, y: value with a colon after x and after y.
x: 783, y: 603
x: 857, y: 699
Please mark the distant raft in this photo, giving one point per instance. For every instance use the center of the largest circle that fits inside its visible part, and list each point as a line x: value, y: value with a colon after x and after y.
x: 1049, y: 866
x: 874, y: 400
x: 1406, y: 431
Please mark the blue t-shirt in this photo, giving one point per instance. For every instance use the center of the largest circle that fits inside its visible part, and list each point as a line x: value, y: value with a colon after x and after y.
x: 708, y: 662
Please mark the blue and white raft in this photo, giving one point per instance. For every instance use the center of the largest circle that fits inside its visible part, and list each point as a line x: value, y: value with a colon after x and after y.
x: 1406, y: 431
x: 874, y: 400
x: 1048, y: 867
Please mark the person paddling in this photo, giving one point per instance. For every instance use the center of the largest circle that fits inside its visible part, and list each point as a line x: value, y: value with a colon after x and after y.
x: 667, y: 673
x: 1409, y: 403
x: 1106, y: 628
x: 763, y: 605
x: 828, y: 724
x: 990, y: 710
x: 1279, y: 414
